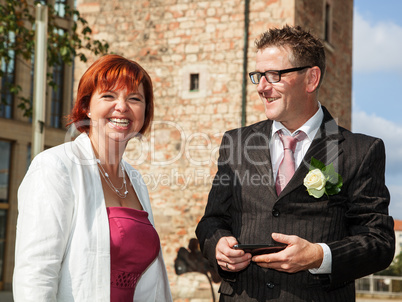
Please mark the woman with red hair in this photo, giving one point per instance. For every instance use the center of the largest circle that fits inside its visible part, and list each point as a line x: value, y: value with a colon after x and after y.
x: 85, y: 230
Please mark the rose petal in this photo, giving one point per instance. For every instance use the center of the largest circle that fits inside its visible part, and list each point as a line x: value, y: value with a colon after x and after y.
x: 316, y: 193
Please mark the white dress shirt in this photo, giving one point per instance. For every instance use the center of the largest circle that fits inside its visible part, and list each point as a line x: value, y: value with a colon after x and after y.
x: 276, y: 151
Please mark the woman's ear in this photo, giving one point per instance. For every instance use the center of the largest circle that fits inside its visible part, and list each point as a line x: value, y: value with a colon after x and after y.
x: 313, y: 78
x: 88, y: 112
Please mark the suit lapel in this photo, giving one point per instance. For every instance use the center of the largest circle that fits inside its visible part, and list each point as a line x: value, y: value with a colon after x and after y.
x: 262, y: 137
x: 325, y: 147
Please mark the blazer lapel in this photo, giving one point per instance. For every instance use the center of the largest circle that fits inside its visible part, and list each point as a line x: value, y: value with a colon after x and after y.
x: 325, y: 147
x: 262, y: 137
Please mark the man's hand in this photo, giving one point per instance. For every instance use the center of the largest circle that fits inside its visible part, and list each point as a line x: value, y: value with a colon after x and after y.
x: 229, y: 259
x: 299, y: 255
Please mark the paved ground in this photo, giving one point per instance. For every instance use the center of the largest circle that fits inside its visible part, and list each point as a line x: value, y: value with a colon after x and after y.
x: 377, y: 300
x: 7, y: 297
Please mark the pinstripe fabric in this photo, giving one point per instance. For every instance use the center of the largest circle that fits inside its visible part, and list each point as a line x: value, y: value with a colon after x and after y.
x: 354, y: 223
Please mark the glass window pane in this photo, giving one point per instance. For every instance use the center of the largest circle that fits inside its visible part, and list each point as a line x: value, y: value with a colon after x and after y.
x: 28, y: 156
x: 2, y: 223
x: 5, y: 152
x: 56, y: 114
x: 7, y: 79
x: 3, y: 220
x: 60, y: 7
x: 32, y: 82
x: 5, y: 158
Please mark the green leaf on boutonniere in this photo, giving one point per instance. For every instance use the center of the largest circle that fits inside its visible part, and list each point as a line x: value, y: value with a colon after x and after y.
x: 334, y: 180
x: 316, y: 164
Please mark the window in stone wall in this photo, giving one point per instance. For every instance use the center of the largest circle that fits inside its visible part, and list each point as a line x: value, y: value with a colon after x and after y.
x: 194, y: 82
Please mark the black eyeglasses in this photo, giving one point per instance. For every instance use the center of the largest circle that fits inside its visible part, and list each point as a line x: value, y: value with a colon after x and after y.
x: 272, y: 76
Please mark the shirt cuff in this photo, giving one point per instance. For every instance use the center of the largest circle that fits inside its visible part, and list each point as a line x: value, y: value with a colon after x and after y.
x: 326, y: 265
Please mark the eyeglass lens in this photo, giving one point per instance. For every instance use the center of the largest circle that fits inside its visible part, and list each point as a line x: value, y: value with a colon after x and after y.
x: 271, y: 76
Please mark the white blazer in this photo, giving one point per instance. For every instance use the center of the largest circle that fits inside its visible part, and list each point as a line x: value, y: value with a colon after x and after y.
x: 63, y: 246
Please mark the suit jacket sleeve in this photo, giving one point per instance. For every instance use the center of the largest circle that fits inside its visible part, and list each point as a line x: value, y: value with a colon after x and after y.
x: 370, y: 244
x: 216, y: 222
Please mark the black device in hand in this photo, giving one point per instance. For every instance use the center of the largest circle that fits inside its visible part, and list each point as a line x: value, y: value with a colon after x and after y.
x: 260, y: 249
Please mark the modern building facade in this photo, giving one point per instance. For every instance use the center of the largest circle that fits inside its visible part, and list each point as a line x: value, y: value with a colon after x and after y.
x: 16, y: 132
x: 398, y: 236
x: 198, y: 54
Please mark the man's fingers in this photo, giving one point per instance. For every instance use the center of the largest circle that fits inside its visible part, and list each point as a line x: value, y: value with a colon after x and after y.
x: 287, y: 239
x: 228, y: 258
x: 236, y: 265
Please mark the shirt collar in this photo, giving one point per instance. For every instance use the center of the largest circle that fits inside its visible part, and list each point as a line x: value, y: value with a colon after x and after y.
x: 310, y: 127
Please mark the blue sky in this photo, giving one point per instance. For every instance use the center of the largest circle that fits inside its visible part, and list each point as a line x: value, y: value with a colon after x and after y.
x: 377, y: 82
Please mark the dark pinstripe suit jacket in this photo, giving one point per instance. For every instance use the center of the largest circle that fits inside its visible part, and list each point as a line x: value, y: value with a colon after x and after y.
x: 354, y: 223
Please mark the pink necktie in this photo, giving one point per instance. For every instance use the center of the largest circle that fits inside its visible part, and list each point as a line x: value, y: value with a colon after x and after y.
x: 287, y: 166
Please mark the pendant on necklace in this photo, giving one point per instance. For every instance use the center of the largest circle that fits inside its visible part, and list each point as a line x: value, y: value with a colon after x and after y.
x: 105, y: 176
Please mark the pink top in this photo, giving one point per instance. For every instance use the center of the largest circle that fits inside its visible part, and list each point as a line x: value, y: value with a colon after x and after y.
x: 134, y: 244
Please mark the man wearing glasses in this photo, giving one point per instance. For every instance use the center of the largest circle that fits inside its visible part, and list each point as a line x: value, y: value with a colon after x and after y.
x: 298, y: 181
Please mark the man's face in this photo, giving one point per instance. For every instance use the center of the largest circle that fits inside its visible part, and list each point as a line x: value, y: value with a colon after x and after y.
x: 284, y: 101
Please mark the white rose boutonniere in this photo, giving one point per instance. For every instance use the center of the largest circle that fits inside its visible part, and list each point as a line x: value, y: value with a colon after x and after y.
x: 315, y: 183
x: 322, y: 179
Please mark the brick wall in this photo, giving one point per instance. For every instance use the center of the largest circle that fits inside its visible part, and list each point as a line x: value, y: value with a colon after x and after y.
x: 173, y: 39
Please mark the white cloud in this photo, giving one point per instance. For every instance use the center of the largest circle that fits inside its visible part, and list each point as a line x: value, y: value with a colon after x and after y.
x: 395, y: 208
x: 389, y: 132
x: 376, y: 47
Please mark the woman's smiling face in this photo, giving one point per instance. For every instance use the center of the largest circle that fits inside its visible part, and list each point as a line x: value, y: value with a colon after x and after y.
x: 116, y: 114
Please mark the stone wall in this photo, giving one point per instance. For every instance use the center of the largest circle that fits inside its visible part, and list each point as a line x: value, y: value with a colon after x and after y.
x: 336, y: 90
x: 173, y: 39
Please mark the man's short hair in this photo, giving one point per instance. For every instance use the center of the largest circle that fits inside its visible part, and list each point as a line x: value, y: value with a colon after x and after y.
x: 306, y: 50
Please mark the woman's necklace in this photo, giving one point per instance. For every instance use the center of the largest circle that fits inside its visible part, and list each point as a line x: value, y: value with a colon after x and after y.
x: 105, y: 176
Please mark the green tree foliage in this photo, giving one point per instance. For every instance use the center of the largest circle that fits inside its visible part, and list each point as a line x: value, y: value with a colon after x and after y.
x: 17, y: 40
x: 395, y: 269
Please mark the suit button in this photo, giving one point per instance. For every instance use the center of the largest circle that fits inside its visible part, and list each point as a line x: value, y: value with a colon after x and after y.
x: 270, y: 285
x: 275, y: 213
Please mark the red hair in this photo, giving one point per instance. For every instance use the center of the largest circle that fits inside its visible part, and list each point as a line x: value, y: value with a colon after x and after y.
x: 106, y: 73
